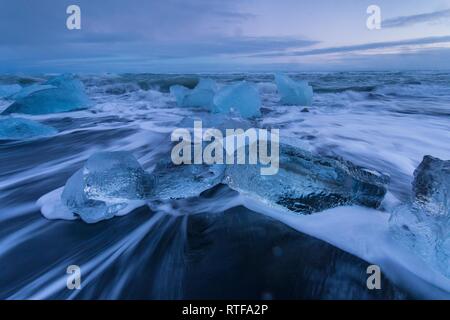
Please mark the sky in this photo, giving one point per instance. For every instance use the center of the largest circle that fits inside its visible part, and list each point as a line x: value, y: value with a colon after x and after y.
x: 223, y: 36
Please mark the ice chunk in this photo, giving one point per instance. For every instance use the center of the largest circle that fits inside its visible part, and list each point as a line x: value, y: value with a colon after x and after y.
x: 426, y: 235
x: 424, y: 225
x: 26, y: 91
x: 179, y: 92
x: 201, y: 96
x: 183, y: 181
x: 108, y: 185
x: 306, y: 183
x: 21, y: 129
x: 60, y: 94
x: 293, y: 92
x: 9, y: 89
x: 242, y: 98
x: 431, y: 186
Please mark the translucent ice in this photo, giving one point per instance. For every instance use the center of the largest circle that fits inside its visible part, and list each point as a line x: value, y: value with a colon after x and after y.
x: 183, y: 181
x: 20, y: 129
x: 307, y: 183
x: 179, y: 92
x: 9, y: 89
x: 242, y: 98
x: 201, y: 96
x: 108, y: 184
x: 26, y: 91
x: 60, y: 94
x: 293, y: 92
x: 424, y: 225
x: 431, y: 186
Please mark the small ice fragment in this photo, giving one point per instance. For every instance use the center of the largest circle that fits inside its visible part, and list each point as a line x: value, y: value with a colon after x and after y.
x: 293, y: 92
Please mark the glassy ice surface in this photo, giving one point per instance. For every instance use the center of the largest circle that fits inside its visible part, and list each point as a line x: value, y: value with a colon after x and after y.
x: 60, y: 94
x: 242, y: 98
x: 179, y: 92
x: 201, y: 96
x: 307, y: 183
x: 293, y: 92
x: 20, y: 129
x: 106, y: 185
x: 431, y: 186
x: 424, y: 225
x: 183, y: 181
x: 9, y: 89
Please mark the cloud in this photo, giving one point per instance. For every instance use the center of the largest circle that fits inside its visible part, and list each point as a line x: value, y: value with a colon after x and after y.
x: 437, y: 16
x: 359, y: 47
x: 44, y: 21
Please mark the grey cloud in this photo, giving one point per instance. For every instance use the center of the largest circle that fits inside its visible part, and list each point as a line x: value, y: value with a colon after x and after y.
x: 437, y: 16
x: 366, y: 46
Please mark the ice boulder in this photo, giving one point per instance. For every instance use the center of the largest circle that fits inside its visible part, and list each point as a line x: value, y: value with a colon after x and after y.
x: 201, y: 96
x: 308, y: 183
x: 109, y: 184
x: 293, y: 92
x: 423, y: 225
x: 9, y: 89
x: 242, y: 98
x: 431, y: 186
x: 60, y: 94
x: 23, y: 129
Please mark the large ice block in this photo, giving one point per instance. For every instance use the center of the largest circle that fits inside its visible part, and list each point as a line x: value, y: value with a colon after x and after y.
x: 108, y: 183
x: 307, y: 183
x: 293, y: 92
x: 60, y: 94
x: 424, y: 224
x: 22, y: 129
x: 431, y: 186
x: 242, y: 98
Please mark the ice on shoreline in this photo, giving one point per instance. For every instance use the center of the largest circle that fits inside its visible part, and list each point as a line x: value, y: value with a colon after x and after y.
x: 108, y: 184
x: 307, y: 183
x: 423, y: 226
x: 365, y: 233
x: 201, y: 96
x: 293, y: 92
x: 60, y: 94
x: 242, y: 98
